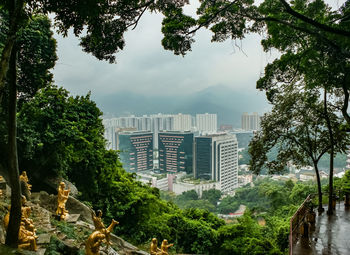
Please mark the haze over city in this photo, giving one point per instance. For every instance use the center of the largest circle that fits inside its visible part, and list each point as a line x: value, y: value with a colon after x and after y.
x: 147, y: 78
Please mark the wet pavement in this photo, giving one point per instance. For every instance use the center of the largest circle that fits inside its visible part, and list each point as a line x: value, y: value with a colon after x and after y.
x: 330, y: 236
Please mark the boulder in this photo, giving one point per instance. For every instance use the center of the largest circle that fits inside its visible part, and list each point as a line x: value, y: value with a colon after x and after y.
x: 74, y: 206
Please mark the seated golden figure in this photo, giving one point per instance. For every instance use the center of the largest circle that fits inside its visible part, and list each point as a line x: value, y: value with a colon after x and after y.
x: 99, y: 226
x: 26, y: 238
x: 62, y: 198
x: 25, y: 212
x: 164, y: 247
x: 154, y: 247
x: 24, y: 177
x: 28, y: 223
x: 94, y: 242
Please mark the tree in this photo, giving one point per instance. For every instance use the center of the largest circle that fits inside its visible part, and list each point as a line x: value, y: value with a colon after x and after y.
x: 32, y: 69
x: 100, y: 26
x: 212, y: 195
x: 298, y: 127
x: 314, y: 41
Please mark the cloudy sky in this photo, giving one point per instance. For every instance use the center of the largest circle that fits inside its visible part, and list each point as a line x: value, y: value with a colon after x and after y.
x: 144, y: 67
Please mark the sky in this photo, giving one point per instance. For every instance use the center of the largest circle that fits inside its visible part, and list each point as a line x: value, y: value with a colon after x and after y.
x: 144, y: 67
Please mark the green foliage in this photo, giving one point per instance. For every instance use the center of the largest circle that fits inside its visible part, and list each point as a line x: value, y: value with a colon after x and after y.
x: 66, y: 228
x: 228, y: 205
x: 212, y: 195
x: 245, y: 237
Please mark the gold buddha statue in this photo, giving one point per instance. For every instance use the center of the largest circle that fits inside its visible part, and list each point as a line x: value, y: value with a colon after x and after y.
x: 24, y: 177
x: 26, y: 238
x: 94, y: 242
x: 164, y: 247
x: 154, y: 250
x: 62, y: 198
x: 99, y: 226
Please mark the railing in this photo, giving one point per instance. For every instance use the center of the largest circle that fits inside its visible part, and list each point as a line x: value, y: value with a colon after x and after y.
x: 296, y: 220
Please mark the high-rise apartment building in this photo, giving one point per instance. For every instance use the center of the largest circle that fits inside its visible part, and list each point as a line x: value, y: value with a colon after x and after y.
x: 216, y: 158
x: 136, y: 150
x: 175, y: 151
x: 250, y: 121
x: 206, y: 123
x: 182, y: 122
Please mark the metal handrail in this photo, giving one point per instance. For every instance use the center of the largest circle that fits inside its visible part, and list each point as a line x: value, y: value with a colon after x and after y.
x: 296, y: 220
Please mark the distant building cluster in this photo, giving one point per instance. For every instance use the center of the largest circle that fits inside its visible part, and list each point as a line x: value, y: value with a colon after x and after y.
x: 201, y: 123
x: 210, y: 157
x: 250, y: 122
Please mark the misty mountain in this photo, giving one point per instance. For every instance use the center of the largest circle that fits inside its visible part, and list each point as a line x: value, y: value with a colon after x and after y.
x: 227, y: 103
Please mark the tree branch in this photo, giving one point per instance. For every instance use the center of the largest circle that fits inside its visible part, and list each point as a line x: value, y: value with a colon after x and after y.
x: 212, y: 18
x: 314, y: 23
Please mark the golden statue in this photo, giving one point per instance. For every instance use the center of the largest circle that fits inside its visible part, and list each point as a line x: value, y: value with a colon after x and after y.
x: 99, y: 226
x: 26, y: 238
x: 164, y: 247
x: 154, y: 247
x: 92, y: 246
x: 7, y: 218
x: 25, y: 215
x: 28, y: 223
x: 24, y: 177
x: 62, y: 198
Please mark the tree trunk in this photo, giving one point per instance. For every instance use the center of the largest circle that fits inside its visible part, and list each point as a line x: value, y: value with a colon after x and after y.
x: 331, y: 164
x: 15, y: 213
x: 319, y: 188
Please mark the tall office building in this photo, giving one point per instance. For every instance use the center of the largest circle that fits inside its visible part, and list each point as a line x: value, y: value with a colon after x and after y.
x: 250, y: 121
x: 216, y: 158
x: 175, y: 151
x: 136, y: 150
x: 206, y: 123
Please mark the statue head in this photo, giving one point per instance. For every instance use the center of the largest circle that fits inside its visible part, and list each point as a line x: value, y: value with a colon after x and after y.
x: 154, y: 240
x: 62, y: 184
x: 24, y: 173
x: 165, y: 242
x: 99, y: 213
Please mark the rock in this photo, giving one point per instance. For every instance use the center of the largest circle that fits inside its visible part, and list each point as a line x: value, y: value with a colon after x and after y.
x: 61, y: 247
x: 72, y: 218
x: 109, y: 251
x: 74, y: 206
x: 84, y: 224
x: 41, y: 251
x: 124, y: 245
x: 49, y: 202
x: 52, y: 184
x: 43, y: 238
x: 42, y: 217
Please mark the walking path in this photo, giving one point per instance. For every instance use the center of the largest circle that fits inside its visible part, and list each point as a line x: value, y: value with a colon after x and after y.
x: 331, y: 235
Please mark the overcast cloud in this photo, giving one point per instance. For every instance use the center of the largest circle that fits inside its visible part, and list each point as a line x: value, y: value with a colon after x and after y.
x: 145, y: 67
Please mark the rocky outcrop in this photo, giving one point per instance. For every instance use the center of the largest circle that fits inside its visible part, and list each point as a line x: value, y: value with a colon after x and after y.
x: 44, y: 206
x: 74, y: 206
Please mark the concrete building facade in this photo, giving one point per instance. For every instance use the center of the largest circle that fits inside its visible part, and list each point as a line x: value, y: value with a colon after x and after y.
x: 216, y: 159
x: 136, y: 150
x: 250, y: 122
x: 175, y: 151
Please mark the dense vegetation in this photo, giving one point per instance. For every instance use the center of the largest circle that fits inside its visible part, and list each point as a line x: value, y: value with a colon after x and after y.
x: 61, y: 135
x: 66, y: 129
